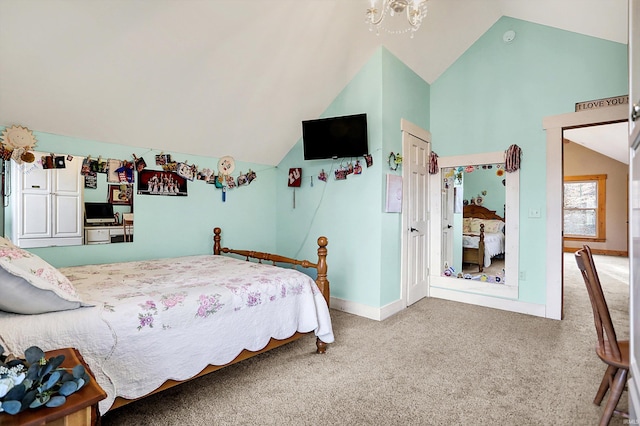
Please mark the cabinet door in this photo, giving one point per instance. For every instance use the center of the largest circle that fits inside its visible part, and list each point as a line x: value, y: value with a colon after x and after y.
x: 67, y: 201
x: 34, y: 207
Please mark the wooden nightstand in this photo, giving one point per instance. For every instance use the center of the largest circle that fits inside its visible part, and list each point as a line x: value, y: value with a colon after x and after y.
x: 81, y: 408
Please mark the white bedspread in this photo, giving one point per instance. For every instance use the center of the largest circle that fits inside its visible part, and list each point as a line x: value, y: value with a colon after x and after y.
x: 493, y: 245
x: 169, y: 319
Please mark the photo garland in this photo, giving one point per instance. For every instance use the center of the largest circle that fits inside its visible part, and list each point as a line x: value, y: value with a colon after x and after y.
x: 171, y: 180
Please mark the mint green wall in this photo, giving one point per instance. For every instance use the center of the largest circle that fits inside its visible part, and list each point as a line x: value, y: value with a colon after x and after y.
x: 364, y: 242
x: 497, y: 94
x: 487, y: 180
x: 175, y: 226
x: 494, y: 95
x: 404, y: 95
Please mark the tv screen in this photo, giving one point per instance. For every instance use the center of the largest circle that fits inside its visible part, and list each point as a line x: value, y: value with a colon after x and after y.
x: 335, y: 137
x: 97, y: 213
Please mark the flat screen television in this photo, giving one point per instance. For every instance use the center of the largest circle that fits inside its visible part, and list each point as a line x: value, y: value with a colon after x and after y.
x: 98, y: 213
x: 335, y: 137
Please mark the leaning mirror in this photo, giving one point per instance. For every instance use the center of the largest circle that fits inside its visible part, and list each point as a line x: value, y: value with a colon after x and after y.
x: 57, y: 201
x: 474, y: 231
x: 473, y: 236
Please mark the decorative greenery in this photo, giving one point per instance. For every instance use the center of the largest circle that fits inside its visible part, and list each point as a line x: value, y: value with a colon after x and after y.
x: 35, y: 381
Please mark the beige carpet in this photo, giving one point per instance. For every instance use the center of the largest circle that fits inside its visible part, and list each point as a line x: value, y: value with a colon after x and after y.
x: 436, y: 363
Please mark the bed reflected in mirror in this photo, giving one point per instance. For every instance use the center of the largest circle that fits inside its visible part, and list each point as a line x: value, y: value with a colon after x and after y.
x: 474, y: 237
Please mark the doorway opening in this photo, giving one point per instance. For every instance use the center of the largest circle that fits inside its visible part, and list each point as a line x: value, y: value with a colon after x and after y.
x: 555, y: 127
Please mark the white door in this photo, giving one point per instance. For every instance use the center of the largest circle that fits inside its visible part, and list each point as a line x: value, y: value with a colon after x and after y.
x: 415, y: 163
x: 448, y: 198
x: 634, y: 203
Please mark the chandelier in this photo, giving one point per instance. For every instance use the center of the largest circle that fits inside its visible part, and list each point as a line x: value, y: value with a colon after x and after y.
x: 388, y: 16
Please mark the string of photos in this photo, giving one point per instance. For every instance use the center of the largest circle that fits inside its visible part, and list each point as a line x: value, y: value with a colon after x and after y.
x: 18, y: 142
x: 344, y: 170
x: 294, y: 179
x: 170, y: 179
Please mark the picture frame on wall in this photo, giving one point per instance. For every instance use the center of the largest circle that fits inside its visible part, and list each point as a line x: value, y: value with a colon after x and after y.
x: 160, y: 182
x: 121, y: 194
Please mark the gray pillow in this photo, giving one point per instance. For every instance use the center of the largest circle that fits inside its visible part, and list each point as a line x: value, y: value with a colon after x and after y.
x: 20, y: 297
x: 29, y: 285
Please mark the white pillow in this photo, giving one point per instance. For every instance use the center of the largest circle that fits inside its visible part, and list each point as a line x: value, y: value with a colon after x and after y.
x: 29, y: 285
x: 493, y: 226
x: 474, y: 225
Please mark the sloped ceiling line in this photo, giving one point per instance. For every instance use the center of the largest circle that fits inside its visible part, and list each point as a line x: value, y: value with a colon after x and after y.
x: 227, y: 77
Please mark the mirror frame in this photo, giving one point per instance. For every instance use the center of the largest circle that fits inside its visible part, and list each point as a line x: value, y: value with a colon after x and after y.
x: 512, y: 231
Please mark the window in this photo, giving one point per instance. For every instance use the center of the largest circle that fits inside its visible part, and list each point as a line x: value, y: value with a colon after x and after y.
x: 584, y: 207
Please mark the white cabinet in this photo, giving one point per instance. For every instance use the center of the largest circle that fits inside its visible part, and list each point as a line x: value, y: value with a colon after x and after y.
x: 106, y: 234
x: 46, y: 204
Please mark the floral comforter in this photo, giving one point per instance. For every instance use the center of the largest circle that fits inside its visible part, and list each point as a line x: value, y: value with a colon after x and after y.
x: 168, y: 319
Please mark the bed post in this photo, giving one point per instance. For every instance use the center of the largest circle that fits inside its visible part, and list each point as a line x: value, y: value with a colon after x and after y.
x: 216, y: 240
x: 321, y: 280
x: 323, y: 283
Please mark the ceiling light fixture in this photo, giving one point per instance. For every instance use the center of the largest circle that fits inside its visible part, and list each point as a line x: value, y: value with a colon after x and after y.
x: 392, y: 10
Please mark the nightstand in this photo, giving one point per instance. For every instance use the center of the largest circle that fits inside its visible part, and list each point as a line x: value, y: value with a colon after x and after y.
x: 81, y: 408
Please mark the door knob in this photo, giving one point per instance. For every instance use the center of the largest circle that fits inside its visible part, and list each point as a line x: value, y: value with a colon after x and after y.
x: 635, y: 112
x: 413, y: 229
x: 449, y: 226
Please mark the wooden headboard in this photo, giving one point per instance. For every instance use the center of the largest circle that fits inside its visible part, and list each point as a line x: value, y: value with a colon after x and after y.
x: 474, y: 210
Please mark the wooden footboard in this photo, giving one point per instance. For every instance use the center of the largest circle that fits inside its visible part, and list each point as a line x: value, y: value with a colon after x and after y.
x: 321, y: 281
x: 321, y: 267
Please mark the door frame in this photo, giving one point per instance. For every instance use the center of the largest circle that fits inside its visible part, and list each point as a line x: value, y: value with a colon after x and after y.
x: 417, y: 131
x: 554, y: 126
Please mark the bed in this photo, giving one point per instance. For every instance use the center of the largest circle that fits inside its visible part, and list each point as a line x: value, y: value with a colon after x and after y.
x: 482, y: 237
x: 145, y: 326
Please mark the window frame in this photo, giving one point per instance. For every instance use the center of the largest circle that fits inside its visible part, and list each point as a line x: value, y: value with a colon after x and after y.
x: 601, y: 228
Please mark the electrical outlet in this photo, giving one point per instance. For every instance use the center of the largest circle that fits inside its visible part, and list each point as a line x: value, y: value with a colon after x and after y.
x: 523, y: 276
x: 534, y: 212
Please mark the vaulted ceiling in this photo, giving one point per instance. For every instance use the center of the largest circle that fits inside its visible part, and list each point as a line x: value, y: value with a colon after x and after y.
x: 227, y: 77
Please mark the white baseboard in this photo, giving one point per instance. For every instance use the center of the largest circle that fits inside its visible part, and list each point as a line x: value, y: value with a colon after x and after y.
x: 380, y: 314
x: 366, y: 311
x: 489, y: 302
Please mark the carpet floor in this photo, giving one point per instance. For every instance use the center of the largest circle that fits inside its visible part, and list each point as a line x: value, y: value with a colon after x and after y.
x: 435, y: 363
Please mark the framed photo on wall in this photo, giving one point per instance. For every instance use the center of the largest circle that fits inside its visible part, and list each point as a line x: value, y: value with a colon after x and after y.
x: 121, y: 194
x: 160, y: 182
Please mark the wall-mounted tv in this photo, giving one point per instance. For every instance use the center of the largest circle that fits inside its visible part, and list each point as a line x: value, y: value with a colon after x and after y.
x: 98, y: 213
x: 335, y: 137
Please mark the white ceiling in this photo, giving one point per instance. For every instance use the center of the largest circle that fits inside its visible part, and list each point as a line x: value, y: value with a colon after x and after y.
x: 226, y: 77
x: 607, y: 139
